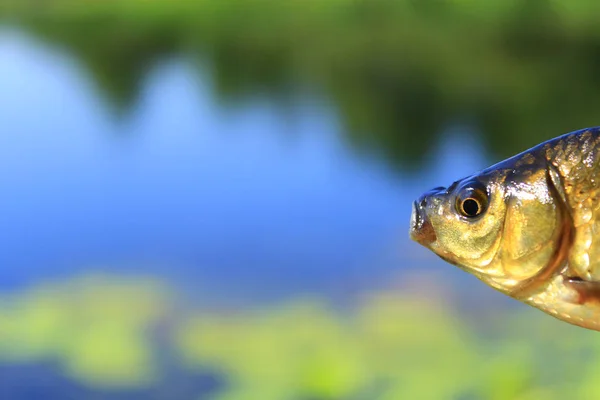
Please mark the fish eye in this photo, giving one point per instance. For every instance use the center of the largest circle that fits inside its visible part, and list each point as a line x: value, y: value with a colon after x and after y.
x: 472, y: 201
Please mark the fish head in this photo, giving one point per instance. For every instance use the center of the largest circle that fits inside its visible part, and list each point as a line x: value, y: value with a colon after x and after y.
x: 503, y: 225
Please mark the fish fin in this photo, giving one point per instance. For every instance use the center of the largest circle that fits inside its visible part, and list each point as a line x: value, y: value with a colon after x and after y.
x: 587, y: 291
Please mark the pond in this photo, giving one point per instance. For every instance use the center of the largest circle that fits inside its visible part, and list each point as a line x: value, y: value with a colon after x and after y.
x: 242, y: 202
x: 186, y: 245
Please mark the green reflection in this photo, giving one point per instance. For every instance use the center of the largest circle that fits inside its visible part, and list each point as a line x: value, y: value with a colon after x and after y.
x: 98, y: 327
x: 102, y: 331
x: 398, y: 71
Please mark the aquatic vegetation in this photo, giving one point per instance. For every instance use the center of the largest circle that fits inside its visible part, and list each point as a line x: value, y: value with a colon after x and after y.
x: 102, y: 331
x: 394, y: 346
x: 98, y: 328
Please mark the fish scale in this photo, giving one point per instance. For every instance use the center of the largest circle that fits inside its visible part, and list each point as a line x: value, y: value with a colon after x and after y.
x: 576, y: 157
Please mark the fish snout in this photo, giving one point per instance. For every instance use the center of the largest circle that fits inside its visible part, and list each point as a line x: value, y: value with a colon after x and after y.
x: 421, y: 229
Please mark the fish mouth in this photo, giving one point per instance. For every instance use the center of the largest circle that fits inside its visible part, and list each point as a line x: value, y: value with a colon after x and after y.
x: 421, y: 230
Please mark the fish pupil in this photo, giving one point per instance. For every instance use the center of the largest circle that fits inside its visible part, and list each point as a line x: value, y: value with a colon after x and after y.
x: 471, y: 207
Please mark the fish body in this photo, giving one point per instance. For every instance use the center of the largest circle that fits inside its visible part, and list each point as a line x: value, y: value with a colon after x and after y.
x: 528, y: 226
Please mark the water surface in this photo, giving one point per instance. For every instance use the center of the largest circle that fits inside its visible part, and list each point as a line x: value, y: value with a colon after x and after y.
x: 246, y: 201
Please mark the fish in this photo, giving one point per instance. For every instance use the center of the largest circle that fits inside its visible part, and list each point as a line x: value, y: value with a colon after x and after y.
x: 527, y: 226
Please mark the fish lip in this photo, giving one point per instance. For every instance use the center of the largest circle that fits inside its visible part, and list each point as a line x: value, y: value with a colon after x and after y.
x: 421, y: 230
x: 414, y: 218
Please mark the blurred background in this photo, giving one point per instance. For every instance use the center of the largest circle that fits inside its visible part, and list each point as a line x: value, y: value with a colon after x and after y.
x: 210, y: 199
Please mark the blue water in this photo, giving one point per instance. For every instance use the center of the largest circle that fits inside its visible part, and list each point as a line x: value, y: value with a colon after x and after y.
x: 247, y: 202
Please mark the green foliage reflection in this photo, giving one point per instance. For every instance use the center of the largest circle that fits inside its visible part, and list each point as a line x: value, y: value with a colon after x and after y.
x: 398, y: 71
